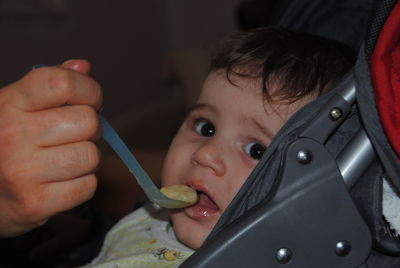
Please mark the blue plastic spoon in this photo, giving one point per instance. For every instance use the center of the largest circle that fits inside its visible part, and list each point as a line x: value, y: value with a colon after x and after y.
x: 142, y: 178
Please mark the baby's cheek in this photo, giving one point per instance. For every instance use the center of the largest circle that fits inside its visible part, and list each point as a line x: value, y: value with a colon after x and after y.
x: 170, y: 160
x: 169, y: 170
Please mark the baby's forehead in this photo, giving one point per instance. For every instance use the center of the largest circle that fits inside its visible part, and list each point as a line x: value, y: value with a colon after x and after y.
x: 286, y: 109
x: 244, y: 97
x: 236, y: 76
x: 254, y: 84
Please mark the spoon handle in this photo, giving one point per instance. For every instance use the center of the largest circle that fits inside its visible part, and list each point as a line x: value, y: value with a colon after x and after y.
x: 142, y: 178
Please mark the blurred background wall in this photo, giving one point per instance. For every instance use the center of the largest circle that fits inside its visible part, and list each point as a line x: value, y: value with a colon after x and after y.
x: 128, y: 43
x: 125, y: 40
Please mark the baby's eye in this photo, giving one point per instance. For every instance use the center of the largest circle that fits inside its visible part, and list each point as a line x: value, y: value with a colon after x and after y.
x: 204, y: 128
x: 255, y: 150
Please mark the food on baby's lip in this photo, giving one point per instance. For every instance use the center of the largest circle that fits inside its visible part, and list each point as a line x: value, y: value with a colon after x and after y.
x: 180, y: 192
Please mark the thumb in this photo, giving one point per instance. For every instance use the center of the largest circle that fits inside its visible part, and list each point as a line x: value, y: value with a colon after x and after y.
x: 49, y: 87
x: 79, y: 65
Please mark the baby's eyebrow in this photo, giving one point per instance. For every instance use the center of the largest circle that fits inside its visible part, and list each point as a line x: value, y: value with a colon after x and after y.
x: 199, y: 106
x: 267, y: 132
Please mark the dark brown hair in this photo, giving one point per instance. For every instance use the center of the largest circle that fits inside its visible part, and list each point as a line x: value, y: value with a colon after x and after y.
x: 299, y: 64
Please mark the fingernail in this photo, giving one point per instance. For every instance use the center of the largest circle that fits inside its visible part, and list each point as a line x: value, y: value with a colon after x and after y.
x: 67, y: 62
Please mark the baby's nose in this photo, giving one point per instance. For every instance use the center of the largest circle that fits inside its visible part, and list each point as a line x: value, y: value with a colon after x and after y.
x: 210, y: 155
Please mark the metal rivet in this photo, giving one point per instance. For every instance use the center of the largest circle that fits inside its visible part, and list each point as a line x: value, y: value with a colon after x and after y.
x: 284, y: 255
x: 304, y: 156
x: 343, y: 248
x: 335, y: 114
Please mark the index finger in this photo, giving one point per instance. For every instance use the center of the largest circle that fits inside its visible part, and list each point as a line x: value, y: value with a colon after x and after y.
x: 49, y: 87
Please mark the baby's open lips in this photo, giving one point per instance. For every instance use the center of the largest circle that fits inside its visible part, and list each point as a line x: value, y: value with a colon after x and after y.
x: 205, y: 201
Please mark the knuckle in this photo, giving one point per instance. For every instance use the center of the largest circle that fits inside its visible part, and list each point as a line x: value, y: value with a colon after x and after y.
x: 36, y: 74
x: 90, y: 155
x: 15, y: 176
x: 97, y: 92
x: 82, y: 191
x: 61, y: 80
x: 30, y: 206
x: 67, y: 161
x: 90, y: 184
x: 10, y: 134
x: 90, y: 119
x: 84, y: 157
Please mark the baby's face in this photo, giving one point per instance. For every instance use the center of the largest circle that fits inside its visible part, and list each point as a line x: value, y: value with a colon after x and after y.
x: 217, y: 147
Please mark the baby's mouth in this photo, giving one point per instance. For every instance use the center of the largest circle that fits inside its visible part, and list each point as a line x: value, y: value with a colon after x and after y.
x: 204, y: 209
x: 206, y: 201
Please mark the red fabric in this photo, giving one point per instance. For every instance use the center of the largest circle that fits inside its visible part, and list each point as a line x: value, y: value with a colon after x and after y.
x: 385, y: 71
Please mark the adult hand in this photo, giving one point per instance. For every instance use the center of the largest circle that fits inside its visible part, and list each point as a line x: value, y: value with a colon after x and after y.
x: 47, y: 150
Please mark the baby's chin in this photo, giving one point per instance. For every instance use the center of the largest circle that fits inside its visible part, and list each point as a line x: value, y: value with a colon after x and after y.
x: 189, y: 232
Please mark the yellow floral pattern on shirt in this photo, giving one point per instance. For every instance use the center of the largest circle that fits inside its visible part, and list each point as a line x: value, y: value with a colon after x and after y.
x: 142, y: 239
